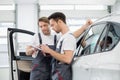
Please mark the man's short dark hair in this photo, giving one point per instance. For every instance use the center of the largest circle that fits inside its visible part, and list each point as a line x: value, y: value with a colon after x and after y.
x: 58, y: 15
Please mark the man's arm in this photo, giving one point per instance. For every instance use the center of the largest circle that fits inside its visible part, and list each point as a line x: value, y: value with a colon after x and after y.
x: 78, y: 32
x: 65, y: 58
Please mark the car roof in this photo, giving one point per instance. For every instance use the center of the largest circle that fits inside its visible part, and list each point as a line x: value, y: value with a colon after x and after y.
x: 110, y: 18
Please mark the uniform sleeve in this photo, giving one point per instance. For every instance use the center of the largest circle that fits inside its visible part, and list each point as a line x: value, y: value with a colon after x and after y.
x: 69, y: 43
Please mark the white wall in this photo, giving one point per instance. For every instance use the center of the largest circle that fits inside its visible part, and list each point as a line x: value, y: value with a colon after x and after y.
x: 98, y: 2
x: 4, y: 73
x: 116, y: 7
x: 27, y: 17
x: 77, y: 13
x: 7, y: 16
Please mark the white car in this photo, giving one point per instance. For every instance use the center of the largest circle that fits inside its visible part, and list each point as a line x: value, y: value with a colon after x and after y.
x: 97, y: 56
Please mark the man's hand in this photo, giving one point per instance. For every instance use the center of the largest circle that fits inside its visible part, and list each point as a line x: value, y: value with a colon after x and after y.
x: 30, y: 50
x: 45, y: 49
x: 88, y: 23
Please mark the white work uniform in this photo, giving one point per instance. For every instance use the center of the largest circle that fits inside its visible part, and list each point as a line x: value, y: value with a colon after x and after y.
x: 69, y: 42
x: 46, y: 39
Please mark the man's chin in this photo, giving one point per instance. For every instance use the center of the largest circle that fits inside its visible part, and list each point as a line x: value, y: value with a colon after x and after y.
x: 57, y: 31
x: 46, y: 33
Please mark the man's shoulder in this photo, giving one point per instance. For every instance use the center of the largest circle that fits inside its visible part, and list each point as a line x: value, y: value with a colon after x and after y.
x: 70, y: 35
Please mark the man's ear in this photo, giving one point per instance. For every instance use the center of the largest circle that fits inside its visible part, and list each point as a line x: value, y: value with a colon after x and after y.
x: 59, y: 21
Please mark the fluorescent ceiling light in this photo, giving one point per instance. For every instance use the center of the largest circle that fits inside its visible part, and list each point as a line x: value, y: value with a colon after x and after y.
x: 56, y: 7
x: 73, y: 7
x: 90, y: 7
x: 79, y: 2
x: 7, y: 24
x: 7, y: 7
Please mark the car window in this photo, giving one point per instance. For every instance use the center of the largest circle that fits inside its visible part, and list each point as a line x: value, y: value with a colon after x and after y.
x: 21, y: 40
x: 99, y: 38
x: 109, y: 38
x: 114, y: 33
x: 90, y: 39
x: 101, y: 42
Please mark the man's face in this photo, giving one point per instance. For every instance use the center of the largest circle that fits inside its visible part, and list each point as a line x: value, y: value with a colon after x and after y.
x: 55, y: 26
x: 44, y: 27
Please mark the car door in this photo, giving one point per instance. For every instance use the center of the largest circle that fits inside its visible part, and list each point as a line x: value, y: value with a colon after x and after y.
x: 107, y: 63
x: 97, y: 61
x: 20, y: 64
x: 85, y: 60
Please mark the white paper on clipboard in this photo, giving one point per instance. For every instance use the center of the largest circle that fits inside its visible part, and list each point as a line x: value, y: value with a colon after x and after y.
x: 36, y: 47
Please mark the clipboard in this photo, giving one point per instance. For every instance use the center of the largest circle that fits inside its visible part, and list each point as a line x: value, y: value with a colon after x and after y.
x: 36, y: 48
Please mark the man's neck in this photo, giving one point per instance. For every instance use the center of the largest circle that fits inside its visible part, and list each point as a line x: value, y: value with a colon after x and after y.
x: 48, y: 34
x: 65, y: 29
